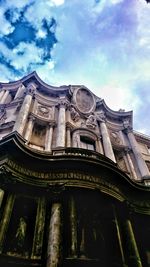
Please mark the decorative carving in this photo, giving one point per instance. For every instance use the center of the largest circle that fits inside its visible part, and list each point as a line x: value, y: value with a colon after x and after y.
x: 84, y: 100
x: 116, y: 138
x: 43, y: 111
x: 63, y: 103
x: 126, y: 123
x: 74, y: 114
x: 91, y: 122
x: 31, y: 88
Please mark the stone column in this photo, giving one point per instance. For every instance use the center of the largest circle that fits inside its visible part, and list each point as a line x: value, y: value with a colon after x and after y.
x: 118, y: 232
x: 73, y: 229
x: 130, y: 163
x: 29, y: 128
x: 1, y: 94
x: 82, y: 245
x: 61, y: 126
x: 127, y: 157
x: 20, y: 92
x: 24, y: 111
x: 138, y: 156
x: 68, y: 137
x: 106, y: 142
x: 131, y: 246
x: 1, y: 196
x: 54, y: 240
x: 49, y: 136
x: 99, y: 147
x: 39, y: 229
x: 4, y: 97
x: 5, y: 219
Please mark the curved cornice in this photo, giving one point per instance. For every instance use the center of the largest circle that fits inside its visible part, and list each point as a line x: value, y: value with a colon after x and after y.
x: 34, y: 77
x: 14, y: 145
x: 115, y: 114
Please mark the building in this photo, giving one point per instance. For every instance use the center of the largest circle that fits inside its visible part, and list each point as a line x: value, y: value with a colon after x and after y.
x: 74, y: 179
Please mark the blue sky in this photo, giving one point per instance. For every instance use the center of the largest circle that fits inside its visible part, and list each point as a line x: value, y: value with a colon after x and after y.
x: 103, y: 44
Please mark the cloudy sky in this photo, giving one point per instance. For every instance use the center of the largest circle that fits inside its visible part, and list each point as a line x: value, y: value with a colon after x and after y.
x: 103, y: 44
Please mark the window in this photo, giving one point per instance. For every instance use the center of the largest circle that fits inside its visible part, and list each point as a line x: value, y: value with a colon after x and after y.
x: 38, y: 135
x: 87, y: 143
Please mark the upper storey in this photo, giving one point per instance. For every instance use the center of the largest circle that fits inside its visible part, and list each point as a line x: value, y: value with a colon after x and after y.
x: 51, y: 117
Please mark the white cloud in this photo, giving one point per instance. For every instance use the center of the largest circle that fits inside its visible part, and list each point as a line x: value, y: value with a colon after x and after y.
x: 6, y: 74
x: 26, y: 54
x: 41, y: 34
x: 104, y: 46
x: 57, y: 2
x: 6, y: 27
x: 116, y: 1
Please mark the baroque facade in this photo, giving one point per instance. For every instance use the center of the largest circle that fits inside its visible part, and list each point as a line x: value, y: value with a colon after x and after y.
x: 74, y: 179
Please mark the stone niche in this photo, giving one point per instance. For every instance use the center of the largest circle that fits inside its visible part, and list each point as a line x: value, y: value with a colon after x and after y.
x: 38, y: 135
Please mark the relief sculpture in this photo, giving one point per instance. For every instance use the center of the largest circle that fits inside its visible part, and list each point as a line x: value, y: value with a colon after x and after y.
x: 43, y: 111
x: 74, y: 114
x: 91, y: 122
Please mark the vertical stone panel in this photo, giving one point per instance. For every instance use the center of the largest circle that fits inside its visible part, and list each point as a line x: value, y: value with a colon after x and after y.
x: 39, y: 229
x: 73, y: 228
x: 6, y: 218
x: 106, y: 142
x: 55, y: 237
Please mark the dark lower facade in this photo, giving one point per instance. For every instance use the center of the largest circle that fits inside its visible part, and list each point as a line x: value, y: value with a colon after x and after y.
x: 71, y: 208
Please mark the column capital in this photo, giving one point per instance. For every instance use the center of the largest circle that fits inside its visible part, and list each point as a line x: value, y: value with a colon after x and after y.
x: 31, y: 117
x: 31, y: 87
x: 100, y: 116
x: 127, y: 125
x: 99, y: 138
x: 127, y: 150
x: 128, y: 129
x: 69, y: 125
x: 51, y: 124
x: 63, y: 103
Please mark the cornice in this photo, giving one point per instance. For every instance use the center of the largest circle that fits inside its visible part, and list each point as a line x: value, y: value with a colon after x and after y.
x: 117, y: 115
x: 34, y: 77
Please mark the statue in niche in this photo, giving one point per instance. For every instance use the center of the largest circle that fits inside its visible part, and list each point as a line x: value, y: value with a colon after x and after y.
x: 74, y: 114
x: 21, y: 233
x: 91, y: 122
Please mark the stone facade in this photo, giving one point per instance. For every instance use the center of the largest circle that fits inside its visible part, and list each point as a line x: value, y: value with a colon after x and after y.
x: 63, y: 151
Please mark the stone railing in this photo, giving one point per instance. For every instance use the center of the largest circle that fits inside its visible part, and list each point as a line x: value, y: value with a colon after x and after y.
x: 80, y: 152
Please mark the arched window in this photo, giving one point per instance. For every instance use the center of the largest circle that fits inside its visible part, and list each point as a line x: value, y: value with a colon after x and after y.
x: 85, y: 139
